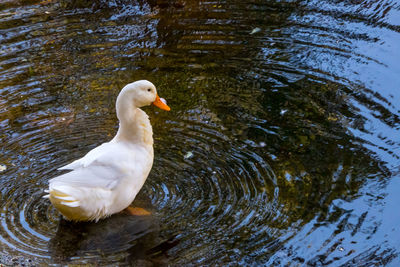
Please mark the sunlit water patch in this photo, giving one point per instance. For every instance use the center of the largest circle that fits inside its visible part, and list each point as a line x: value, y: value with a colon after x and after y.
x: 281, y: 147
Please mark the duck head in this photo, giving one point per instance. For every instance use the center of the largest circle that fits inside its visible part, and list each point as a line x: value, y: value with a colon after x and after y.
x: 141, y: 93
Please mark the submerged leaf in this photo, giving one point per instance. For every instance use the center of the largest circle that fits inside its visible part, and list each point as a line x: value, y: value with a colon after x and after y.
x: 255, y: 30
x: 3, y: 167
x: 188, y: 155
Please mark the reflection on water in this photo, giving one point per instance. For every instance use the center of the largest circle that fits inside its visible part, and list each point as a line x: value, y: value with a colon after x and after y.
x: 281, y: 147
x: 136, y: 238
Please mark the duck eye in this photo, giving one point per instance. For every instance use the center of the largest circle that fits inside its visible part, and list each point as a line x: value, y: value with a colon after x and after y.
x: 149, y: 90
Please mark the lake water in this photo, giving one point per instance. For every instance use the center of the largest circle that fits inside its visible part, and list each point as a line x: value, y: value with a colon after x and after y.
x: 281, y: 149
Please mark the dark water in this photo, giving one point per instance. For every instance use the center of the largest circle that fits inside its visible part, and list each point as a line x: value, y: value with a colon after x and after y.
x: 282, y: 146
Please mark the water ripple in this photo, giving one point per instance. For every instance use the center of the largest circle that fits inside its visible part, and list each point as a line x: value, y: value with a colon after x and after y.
x: 278, y: 150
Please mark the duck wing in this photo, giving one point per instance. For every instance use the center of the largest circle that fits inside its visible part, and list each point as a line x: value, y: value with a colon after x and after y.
x: 91, y: 156
x: 105, y: 165
x: 94, y: 176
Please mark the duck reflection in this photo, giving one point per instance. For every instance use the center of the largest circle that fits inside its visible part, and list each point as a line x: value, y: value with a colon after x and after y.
x: 131, y: 239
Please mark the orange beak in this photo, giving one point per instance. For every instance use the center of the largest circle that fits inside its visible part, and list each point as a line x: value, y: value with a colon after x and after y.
x: 158, y: 103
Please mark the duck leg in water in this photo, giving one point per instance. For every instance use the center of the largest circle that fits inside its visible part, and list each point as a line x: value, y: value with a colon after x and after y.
x: 136, y: 211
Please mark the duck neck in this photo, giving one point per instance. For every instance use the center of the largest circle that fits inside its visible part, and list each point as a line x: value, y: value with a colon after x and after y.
x: 134, y: 124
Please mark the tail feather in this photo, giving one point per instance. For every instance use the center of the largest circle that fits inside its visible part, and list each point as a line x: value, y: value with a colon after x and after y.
x: 65, y: 198
x: 73, y: 204
x: 60, y: 196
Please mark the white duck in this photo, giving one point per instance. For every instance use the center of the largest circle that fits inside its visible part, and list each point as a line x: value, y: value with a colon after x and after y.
x: 107, y: 179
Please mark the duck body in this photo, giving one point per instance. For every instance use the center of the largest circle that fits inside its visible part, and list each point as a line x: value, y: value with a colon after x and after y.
x: 107, y: 179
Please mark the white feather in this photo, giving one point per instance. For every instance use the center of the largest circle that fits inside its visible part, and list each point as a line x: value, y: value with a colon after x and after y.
x: 70, y: 204
x: 67, y: 198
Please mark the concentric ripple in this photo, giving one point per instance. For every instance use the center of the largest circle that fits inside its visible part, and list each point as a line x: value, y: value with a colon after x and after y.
x: 280, y: 148
x: 219, y: 186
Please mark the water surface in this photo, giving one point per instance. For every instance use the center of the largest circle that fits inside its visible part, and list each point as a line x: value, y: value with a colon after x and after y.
x: 281, y: 148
